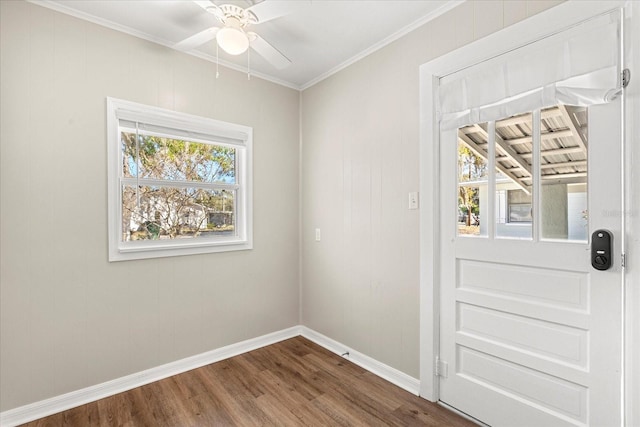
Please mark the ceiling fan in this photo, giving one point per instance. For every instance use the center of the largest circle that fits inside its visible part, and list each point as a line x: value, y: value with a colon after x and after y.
x: 233, y: 37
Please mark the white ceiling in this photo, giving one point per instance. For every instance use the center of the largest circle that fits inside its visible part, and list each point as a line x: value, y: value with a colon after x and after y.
x: 320, y: 37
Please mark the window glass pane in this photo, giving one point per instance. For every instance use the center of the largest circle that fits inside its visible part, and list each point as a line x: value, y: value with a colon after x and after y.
x: 472, y: 180
x: 176, y: 159
x: 157, y: 213
x: 563, y: 170
x: 514, y: 181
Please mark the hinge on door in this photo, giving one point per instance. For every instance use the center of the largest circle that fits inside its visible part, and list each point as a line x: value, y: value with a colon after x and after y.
x: 442, y: 368
x: 624, y: 260
x: 626, y: 77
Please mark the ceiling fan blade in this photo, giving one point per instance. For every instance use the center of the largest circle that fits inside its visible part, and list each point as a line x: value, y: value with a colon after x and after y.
x: 268, y: 52
x: 197, y: 39
x: 272, y: 9
x: 205, y: 4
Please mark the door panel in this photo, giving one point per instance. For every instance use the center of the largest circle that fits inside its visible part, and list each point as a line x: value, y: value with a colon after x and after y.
x: 530, y: 331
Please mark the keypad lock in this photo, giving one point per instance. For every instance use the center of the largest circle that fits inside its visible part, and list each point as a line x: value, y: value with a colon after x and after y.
x: 601, y: 249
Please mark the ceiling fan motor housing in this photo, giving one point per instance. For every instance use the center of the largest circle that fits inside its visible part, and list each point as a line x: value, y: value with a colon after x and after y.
x: 233, y: 37
x: 235, y: 16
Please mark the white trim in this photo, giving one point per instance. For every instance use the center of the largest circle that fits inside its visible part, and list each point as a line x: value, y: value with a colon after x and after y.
x: 462, y: 414
x: 237, y: 135
x: 632, y: 215
x: 548, y: 22
x: 59, y: 7
x: 384, y: 42
x: 429, y: 237
x: 63, y: 8
x: 394, y: 376
x: 43, y: 408
x: 300, y: 216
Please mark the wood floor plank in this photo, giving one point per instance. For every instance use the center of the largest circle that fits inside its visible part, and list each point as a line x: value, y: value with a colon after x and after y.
x: 341, y: 412
x: 114, y: 410
x: 237, y: 379
x: 224, y: 402
x: 274, y: 410
x: 285, y: 394
x: 312, y: 414
x: 291, y: 383
x: 361, y: 401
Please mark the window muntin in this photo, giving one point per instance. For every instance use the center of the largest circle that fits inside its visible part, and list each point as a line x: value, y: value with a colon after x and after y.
x: 560, y: 143
x: 178, y: 184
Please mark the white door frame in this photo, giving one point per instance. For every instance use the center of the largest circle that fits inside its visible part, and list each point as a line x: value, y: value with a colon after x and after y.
x: 532, y: 29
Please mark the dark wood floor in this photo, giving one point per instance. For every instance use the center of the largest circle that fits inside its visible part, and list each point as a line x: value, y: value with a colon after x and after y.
x: 291, y: 383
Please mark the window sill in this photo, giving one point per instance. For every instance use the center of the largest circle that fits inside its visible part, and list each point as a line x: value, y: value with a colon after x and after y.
x: 154, y: 250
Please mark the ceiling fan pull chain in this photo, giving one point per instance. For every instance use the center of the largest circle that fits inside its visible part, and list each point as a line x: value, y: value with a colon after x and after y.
x: 217, y: 62
x: 248, y: 64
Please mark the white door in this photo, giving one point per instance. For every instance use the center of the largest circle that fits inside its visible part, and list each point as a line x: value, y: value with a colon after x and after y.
x: 530, y: 331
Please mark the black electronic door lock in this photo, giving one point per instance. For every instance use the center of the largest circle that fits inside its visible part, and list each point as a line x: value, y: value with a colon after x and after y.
x: 601, y: 250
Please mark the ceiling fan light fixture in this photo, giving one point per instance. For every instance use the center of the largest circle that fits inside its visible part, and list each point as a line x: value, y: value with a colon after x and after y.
x: 232, y: 40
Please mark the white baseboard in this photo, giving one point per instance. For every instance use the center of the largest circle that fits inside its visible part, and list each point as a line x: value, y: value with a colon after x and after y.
x: 43, y: 408
x: 394, y: 376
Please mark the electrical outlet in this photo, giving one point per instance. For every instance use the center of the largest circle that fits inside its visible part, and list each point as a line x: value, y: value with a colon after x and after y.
x: 413, y: 200
x: 317, y: 234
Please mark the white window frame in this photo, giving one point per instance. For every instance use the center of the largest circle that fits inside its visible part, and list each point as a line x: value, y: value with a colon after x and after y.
x: 180, y: 126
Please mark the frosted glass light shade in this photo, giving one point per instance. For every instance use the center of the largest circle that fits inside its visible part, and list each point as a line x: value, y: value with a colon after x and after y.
x: 232, y: 40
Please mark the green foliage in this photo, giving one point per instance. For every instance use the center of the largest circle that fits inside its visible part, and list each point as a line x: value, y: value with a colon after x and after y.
x: 167, y: 211
x: 471, y: 167
x: 175, y: 159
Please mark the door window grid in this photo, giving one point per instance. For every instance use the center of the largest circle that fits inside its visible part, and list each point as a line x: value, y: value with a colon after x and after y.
x: 548, y: 146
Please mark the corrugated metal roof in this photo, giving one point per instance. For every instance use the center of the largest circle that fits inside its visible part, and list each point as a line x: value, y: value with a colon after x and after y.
x: 563, y: 145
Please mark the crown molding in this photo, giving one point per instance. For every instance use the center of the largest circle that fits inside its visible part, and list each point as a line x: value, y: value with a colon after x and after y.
x: 384, y: 42
x: 58, y: 7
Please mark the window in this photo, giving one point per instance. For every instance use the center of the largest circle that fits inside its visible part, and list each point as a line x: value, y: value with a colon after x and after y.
x: 178, y: 184
x: 559, y: 141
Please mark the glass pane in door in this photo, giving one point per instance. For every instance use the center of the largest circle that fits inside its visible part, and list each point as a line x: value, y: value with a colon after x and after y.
x: 563, y: 173
x: 472, y: 180
x: 514, y: 183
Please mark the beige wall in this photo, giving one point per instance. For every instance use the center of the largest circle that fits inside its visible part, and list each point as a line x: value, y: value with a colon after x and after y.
x: 360, y: 132
x: 70, y: 319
